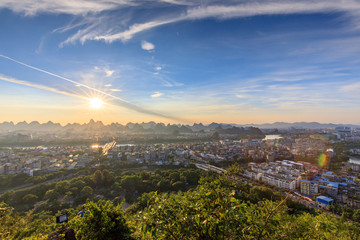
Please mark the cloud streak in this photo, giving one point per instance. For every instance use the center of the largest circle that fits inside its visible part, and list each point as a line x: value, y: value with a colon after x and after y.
x: 218, y: 10
x: 119, y: 101
x: 78, y: 7
x: 39, y: 86
x: 109, y: 21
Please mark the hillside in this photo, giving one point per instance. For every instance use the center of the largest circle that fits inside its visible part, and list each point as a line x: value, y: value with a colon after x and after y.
x: 173, y: 208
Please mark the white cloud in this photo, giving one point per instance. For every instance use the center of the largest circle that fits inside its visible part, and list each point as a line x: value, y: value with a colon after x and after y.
x: 115, y: 90
x: 178, y: 2
x: 147, y: 46
x: 158, y: 68
x: 109, y: 72
x: 157, y: 94
x: 78, y: 7
x: 136, y: 28
x: 109, y: 21
x: 218, y: 10
x: 108, y: 85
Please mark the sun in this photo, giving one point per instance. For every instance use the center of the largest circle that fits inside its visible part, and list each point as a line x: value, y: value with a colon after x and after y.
x: 96, y: 103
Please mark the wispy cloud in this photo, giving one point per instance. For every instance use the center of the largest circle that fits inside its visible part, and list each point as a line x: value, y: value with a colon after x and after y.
x: 241, y: 96
x: 78, y: 7
x: 156, y: 95
x: 147, y: 46
x: 115, y: 90
x: 215, y: 9
x: 167, y: 82
x: 351, y: 88
x: 39, y: 86
x: 107, y: 20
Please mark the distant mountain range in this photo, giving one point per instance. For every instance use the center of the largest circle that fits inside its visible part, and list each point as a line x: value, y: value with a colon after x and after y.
x: 161, y: 127
x: 305, y: 125
x: 149, y: 127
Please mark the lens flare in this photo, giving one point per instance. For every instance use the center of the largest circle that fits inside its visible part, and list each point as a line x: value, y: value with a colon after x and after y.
x: 322, y: 160
x: 276, y: 142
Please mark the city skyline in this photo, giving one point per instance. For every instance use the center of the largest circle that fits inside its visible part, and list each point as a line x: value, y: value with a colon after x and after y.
x: 180, y: 61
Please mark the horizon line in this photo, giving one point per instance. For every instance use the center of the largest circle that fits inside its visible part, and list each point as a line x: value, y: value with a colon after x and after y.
x: 166, y: 123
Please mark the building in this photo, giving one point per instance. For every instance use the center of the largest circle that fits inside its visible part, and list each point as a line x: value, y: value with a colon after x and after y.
x: 271, y: 179
x: 354, y: 164
x: 309, y: 188
x: 324, y: 202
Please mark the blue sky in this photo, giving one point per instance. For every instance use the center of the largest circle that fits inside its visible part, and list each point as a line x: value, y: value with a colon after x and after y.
x: 180, y: 61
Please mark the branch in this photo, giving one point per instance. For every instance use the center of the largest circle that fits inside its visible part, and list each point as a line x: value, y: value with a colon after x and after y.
x: 271, y: 213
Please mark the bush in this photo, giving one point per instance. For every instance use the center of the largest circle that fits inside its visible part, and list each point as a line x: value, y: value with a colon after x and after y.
x: 104, y: 221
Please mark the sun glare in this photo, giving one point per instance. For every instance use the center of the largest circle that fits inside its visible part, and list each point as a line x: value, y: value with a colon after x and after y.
x: 96, y: 103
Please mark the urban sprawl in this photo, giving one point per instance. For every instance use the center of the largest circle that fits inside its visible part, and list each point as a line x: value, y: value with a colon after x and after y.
x: 279, y: 161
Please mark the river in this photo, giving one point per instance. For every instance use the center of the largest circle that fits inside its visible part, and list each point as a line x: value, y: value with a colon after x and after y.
x: 272, y: 137
x: 354, y: 160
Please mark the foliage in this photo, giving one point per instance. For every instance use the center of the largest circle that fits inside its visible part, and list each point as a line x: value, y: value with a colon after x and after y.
x: 30, y: 198
x: 107, y: 183
x: 104, y: 221
x: 216, y: 210
x: 13, y: 180
x: 98, y: 178
x: 14, y: 226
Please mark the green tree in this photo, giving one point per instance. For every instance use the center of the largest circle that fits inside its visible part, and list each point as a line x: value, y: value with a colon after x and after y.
x: 62, y: 187
x: 192, y: 177
x: 145, y: 175
x: 78, y: 183
x: 19, y: 179
x: 51, y: 195
x: 86, y: 192
x: 174, y: 177
x: 130, y: 183
x: 98, y: 178
x: 8, y: 196
x: 356, y: 215
x: 261, y: 193
x: 164, y: 185
x: 105, y: 221
x: 30, y: 198
x: 108, y: 179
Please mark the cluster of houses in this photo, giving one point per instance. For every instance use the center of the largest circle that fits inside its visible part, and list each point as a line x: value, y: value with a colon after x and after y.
x: 310, y: 181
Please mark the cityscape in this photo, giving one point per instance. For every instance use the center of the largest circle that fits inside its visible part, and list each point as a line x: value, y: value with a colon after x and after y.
x: 179, y: 119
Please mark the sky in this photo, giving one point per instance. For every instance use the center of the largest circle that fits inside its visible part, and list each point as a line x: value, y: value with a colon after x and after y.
x: 180, y: 61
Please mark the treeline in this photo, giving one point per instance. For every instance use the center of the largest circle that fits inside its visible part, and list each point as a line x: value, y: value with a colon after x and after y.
x: 345, y: 212
x: 100, y: 184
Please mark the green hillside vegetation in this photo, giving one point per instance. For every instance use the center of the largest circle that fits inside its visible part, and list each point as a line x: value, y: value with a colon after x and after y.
x: 168, y: 204
x: 95, y: 184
